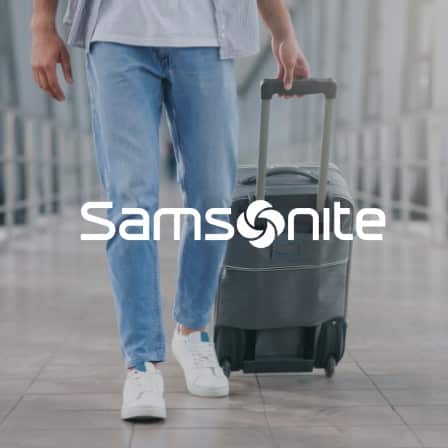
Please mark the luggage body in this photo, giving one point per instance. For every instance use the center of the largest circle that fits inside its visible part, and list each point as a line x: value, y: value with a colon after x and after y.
x: 283, y: 308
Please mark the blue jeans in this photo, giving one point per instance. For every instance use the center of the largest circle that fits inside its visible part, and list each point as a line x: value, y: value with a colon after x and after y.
x: 128, y: 86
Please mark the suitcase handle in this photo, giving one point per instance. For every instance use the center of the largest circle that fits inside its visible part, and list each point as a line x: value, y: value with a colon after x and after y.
x: 270, y: 87
x: 281, y: 170
x: 302, y: 87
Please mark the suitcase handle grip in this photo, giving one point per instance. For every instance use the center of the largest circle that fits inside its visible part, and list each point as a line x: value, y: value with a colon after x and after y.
x: 281, y: 170
x: 269, y: 87
x: 302, y: 87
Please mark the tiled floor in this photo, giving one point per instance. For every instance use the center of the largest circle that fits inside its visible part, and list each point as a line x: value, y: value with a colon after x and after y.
x: 61, y: 373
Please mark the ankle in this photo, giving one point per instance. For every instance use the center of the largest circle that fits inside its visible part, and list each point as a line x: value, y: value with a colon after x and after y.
x: 185, y: 331
x: 155, y: 364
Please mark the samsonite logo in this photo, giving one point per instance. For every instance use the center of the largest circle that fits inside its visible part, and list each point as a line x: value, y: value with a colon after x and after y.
x: 260, y: 223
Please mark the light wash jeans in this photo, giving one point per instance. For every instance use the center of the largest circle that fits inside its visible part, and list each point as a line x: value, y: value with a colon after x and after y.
x: 128, y: 86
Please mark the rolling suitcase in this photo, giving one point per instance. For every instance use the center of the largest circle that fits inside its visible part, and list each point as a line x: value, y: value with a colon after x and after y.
x: 283, y: 308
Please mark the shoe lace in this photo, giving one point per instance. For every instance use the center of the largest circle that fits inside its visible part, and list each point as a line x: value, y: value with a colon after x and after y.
x: 204, y: 355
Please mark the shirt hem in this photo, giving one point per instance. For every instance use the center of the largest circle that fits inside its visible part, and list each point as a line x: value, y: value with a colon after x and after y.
x: 156, y: 42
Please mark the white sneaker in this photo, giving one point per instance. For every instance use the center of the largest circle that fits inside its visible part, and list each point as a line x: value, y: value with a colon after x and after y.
x: 143, y: 394
x: 197, y: 357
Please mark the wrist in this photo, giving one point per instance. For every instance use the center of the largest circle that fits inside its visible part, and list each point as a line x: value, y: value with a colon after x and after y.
x: 285, y: 36
x: 42, y: 26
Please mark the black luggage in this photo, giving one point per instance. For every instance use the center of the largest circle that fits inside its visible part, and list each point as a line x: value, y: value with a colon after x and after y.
x: 282, y: 308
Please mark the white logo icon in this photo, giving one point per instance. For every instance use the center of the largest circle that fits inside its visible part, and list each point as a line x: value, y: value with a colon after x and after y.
x: 274, y: 224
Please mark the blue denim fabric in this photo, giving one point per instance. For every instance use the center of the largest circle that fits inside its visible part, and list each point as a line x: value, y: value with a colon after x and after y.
x: 128, y: 86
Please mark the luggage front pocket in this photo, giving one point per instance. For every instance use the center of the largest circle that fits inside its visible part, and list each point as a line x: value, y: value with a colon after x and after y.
x: 284, y: 296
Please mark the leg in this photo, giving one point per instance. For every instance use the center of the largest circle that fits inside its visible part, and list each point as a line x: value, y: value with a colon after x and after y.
x: 202, y: 105
x: 125, y: 84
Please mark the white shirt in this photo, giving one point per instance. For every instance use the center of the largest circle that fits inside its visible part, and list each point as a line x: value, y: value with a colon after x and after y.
x: 157, y: 23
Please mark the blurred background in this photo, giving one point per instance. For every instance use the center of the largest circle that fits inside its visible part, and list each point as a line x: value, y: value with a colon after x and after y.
x: 391, y: 132
x: 61, y: 368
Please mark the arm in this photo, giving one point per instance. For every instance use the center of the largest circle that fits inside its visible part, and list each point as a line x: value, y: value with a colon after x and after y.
x: 291, y: 62
x: 48, y: 49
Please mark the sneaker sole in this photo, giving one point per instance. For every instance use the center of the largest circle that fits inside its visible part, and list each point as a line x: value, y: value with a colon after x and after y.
x: 208, y: 392
x: 142, y: 413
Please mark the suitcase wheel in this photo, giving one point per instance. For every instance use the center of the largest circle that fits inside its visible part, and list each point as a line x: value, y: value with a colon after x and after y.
x: 330, y: 367
x: 226, y: 368
x: 230, y: 344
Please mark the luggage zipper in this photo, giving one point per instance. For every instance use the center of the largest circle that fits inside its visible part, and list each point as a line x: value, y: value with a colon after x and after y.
x: 289, y: 268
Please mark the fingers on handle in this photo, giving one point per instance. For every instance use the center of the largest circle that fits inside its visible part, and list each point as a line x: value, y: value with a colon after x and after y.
x: 302, y: 70
x: 288, y: 76
x: 280, y: 71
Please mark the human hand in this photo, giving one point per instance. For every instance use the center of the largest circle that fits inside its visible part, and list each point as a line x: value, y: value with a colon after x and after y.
x: 291, y: 62
x: 48, y: 50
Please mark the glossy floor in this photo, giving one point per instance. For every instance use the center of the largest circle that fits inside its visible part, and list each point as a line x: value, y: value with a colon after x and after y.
x: 61, y: 372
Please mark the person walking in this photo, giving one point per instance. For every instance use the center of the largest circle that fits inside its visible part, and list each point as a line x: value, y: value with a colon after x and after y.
x: 140, y: 56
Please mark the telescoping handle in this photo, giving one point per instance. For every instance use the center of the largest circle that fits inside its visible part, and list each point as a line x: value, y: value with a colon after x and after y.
x: 271, y: 87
